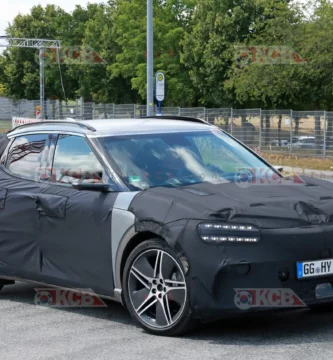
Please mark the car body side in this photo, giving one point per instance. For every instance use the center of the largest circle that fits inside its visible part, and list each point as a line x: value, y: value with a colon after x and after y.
x: 118, y: 228
x: 289, y: 218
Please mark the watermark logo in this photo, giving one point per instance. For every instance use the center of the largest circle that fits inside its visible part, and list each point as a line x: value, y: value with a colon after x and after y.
x: 70, y: 55
x: 243, y: 299
x: 245, y: 177
x: 43, y: 298
x: 267, y: 298
x: 51, y: 297
x: 267, y: 55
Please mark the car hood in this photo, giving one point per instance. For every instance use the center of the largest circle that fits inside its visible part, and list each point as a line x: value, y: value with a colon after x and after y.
x: 266, y: 206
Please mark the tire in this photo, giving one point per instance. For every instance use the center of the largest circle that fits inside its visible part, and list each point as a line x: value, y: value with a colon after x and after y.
x: 1, y: 286
x: 156, y: 290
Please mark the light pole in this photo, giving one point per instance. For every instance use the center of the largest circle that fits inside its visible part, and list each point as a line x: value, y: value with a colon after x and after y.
x: 150, y: 59
x: 42, y: 83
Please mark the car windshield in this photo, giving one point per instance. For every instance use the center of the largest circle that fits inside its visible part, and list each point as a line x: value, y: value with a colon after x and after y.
x: 180, y: 159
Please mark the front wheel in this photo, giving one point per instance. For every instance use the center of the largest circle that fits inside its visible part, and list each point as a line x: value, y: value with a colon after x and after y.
x: 155, y: 289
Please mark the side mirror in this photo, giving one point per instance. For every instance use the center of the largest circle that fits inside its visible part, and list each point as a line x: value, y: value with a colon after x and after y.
x: 80, y: 185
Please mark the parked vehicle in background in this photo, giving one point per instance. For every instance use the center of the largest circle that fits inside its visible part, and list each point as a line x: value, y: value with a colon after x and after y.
x: 276, y: 142
x: 304, y: 142
x: 295, y: 139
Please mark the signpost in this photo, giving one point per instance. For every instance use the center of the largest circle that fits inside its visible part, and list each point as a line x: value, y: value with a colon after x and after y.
x: 160, y: 90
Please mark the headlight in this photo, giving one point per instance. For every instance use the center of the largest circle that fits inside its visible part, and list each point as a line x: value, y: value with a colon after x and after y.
x: 229, y: 233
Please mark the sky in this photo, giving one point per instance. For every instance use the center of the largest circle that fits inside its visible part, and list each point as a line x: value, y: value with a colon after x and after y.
x: 11, y: 8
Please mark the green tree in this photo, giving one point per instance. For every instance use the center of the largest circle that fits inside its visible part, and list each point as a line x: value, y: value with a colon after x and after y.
x: 209, y: 49
x: 273, y: 83
x: 20, y: 66
x: 171, y: 18
x: 91, y: 77
x: 96, y: 82
x: 317, y: 75
x: 316, y: 48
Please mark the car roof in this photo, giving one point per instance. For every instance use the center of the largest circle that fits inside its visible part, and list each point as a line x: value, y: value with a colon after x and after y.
x: 307, y: 138
x: 113, y: 127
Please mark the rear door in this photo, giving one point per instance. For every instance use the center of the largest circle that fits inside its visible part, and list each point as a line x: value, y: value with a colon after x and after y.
x: 20, y: 183
x: 74, y: 227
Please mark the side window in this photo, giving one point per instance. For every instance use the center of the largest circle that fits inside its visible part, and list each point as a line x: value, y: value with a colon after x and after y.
x: 75, y: 160
x: 27, y: 155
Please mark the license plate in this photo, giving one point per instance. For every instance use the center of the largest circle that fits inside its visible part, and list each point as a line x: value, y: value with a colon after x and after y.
x: 314, y: 268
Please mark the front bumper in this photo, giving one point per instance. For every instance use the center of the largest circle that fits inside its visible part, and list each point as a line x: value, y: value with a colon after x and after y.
x: 230, y: 279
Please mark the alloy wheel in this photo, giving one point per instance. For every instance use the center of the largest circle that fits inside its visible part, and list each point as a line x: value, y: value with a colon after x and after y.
x: 157, y: 288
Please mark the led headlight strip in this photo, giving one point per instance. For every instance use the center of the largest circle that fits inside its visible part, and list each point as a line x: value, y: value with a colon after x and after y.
x: 229, y: 233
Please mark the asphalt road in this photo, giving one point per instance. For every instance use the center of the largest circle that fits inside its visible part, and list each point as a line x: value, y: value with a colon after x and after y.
x: 33, y: 332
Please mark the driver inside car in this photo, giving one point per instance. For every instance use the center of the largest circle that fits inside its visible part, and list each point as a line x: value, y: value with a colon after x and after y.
x: 168, y: 164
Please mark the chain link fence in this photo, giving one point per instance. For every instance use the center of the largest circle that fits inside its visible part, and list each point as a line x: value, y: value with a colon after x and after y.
x: 285, y: 132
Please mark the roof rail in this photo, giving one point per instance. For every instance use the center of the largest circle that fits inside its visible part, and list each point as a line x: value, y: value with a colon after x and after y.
x: 176, y: 117
x: 64, y: 122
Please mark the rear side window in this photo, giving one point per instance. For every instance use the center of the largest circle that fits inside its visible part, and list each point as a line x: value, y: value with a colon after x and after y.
x: 26, y: 155
x: 75, y: 160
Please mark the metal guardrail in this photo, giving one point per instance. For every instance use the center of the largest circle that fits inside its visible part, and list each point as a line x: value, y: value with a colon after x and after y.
x: 285, y: 132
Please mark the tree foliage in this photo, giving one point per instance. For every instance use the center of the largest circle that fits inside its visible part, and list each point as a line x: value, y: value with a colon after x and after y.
x: 274, y: 82
x: 170, y: 23
x: 2, y: 90
x: 196, y: 43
